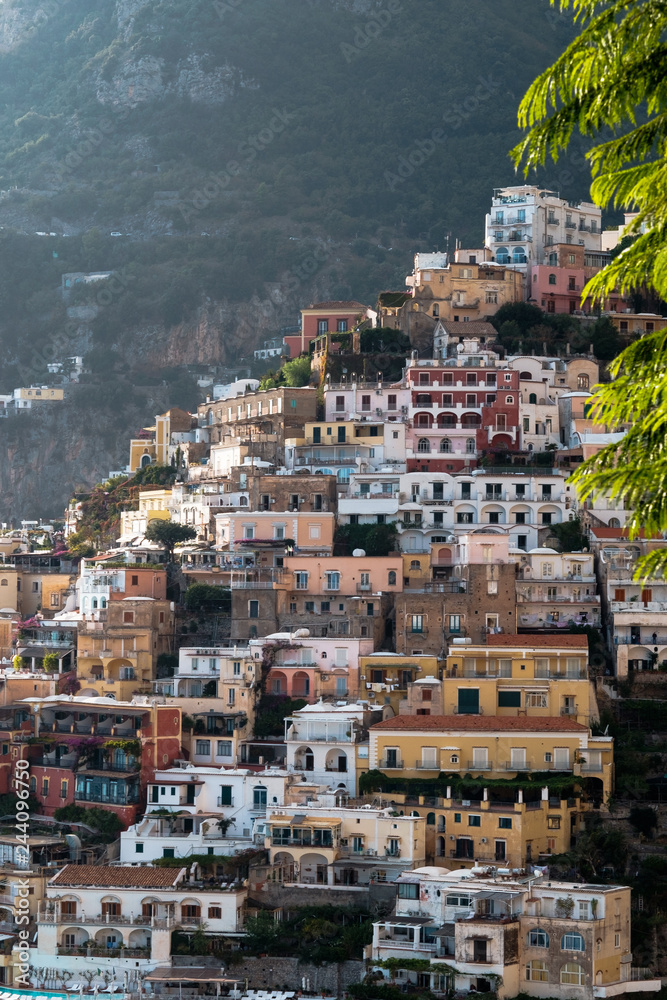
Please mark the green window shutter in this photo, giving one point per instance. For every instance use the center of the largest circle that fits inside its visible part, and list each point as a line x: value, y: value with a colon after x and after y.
x: 468, y: 701
x: 509, y: 699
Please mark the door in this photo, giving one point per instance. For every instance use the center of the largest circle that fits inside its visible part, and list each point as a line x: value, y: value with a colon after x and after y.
x: 479, y: 951
x: 518, y: 759
x: 464, y: 847
x: 468, y: 701
x: 429, y: 758
x: 561, y: 759
x: 190, y: 795
x: 392, y: 757
x: 480, y: 758
x: 501, y: 850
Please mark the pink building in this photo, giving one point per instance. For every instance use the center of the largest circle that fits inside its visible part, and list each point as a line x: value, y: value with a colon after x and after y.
x: 555, y: 284
x: 312, y: 668
x: 343, y: 576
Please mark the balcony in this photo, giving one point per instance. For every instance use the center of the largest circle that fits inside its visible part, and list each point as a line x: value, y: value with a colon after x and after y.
x: 520, y: 765
x: 364, y: 588
x: 570, y: 224
x: 127, y: 799
x: 391, y: 764
x: 542, y: 673
x: 424, y: 765
x: 591, y: 767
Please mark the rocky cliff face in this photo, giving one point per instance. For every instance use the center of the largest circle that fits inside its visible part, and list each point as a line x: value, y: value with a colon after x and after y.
x: 48, y: 454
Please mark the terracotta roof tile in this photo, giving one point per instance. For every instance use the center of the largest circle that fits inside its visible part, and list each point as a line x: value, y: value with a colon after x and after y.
x: 481, y: 723
x: 121, y: 877
x: 337, y: 305
x: 538, y: 641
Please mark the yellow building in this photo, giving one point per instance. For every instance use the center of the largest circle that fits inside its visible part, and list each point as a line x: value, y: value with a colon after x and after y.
x: 509, y: 828
x: 42, y: 591
x: 117, y: 651
x: 331, y: 844
x: 9, y: 587
x: 413, y: 746
x: 384, y: 678
x: 540, y: 676
x: 40, y: 394
x: 153, y: 505
x: 153, y: 447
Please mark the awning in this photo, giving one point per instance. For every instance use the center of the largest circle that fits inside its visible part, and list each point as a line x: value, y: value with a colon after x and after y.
x: 39, y: 652
x: 184, y: 975
x: 407, y: 921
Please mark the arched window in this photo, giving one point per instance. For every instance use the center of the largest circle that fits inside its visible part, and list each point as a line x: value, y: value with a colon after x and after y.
x: 145, y: 460
x: 509, y: 399
x: 243, y: 501
x: 4, y: 583
x: 94, y: 603
x: 552, y: 279
x: 430, y: 819
x: 391, y: 578
x: 572, y: 974
x: 502, y: 255
x: 519, y: 255
x: 423, y: 420
x: 526, y: 377
x: 415, y: 564
x: 614, y: 522
x: 537, y: 938
x: 446, y: 446
x: 423, y: 445
x: 471, y: 446
x: 583, y: 382
x: 572, y: 942
x: 532, y: 398
x: 454, y: 759
x: 536, y: 971
x: 436, y: 309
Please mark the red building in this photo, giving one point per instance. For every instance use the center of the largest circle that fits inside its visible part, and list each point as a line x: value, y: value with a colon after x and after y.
x: 101, y: 752
x: 458, y: 412
x: 326, y: 317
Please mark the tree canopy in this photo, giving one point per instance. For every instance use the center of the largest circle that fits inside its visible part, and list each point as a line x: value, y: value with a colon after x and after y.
x: 168, y: 534
x: 610, y: 84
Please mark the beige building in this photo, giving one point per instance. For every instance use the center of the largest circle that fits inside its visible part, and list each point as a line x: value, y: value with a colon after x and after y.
x: 413, y: 746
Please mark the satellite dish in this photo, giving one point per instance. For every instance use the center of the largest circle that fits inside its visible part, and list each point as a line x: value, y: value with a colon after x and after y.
x: 359, y: 553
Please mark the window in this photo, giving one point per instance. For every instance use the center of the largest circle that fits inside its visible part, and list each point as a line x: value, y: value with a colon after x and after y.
x: 546, y: 518
x: 491, y: 298
x: 553, y: 823
x: 203, y: 747
x: 423, y: 446
x: 474, y: 820
x: 341, y: 326
x: 417, y: 623
x: 190, y: 912
x: 455, y: 623
x: 279, y: 532
x: 322, y: 325
x: 301, y: 581
x: 253, y: 609
x: 408, y: 890
x: 259, y: 797
x: 225, y: 795
x: 215, y: 912
x: 128, y: 617
x: 536, y: 699
x: 537, y: 938
x: 509, y: 699
x: 332, y: 580
x: 504, y: 822
x: 552, y: 279
x: 63, y: 789
x: 45, y: 786
x: 446, y: 446
x: 572, y: 975
x: 536, y: 971
x: 583, y: 382
x: 572, y: 942
x: 224, y: 748
x: 520, y: 517
x: 471, y: 447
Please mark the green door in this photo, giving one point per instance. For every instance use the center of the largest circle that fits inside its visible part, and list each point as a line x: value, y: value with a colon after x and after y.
x: 468, y: 701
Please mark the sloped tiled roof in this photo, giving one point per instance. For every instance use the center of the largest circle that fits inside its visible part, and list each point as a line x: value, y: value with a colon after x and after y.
x: 541, y: 641
x: 121, y: 877
x: 481, y: 723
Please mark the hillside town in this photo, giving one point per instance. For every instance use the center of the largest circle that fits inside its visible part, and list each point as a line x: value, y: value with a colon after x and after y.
x: 339, y: 642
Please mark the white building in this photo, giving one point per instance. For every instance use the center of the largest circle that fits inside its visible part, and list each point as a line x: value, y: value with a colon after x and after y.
x: 354, y: 400
x: 193, y: 809
x: 555, y: 589
x: 512, y: 932
x: 525, y: 220
x: 122, y: 918
x: 213, y: 672
x: 323, y: 742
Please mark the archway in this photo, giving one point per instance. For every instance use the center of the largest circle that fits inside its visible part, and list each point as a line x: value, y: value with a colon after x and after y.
x: 304, y: 759
x: 278, y: 682
x: 314, y: 869
x: 336, y: 760
x: 300, y: 684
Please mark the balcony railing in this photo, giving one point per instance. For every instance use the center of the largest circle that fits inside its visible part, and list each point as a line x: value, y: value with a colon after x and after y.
x: 391, y: 764
x: 520, y: 765
x: 591, y: 767
x: 129, y: 799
